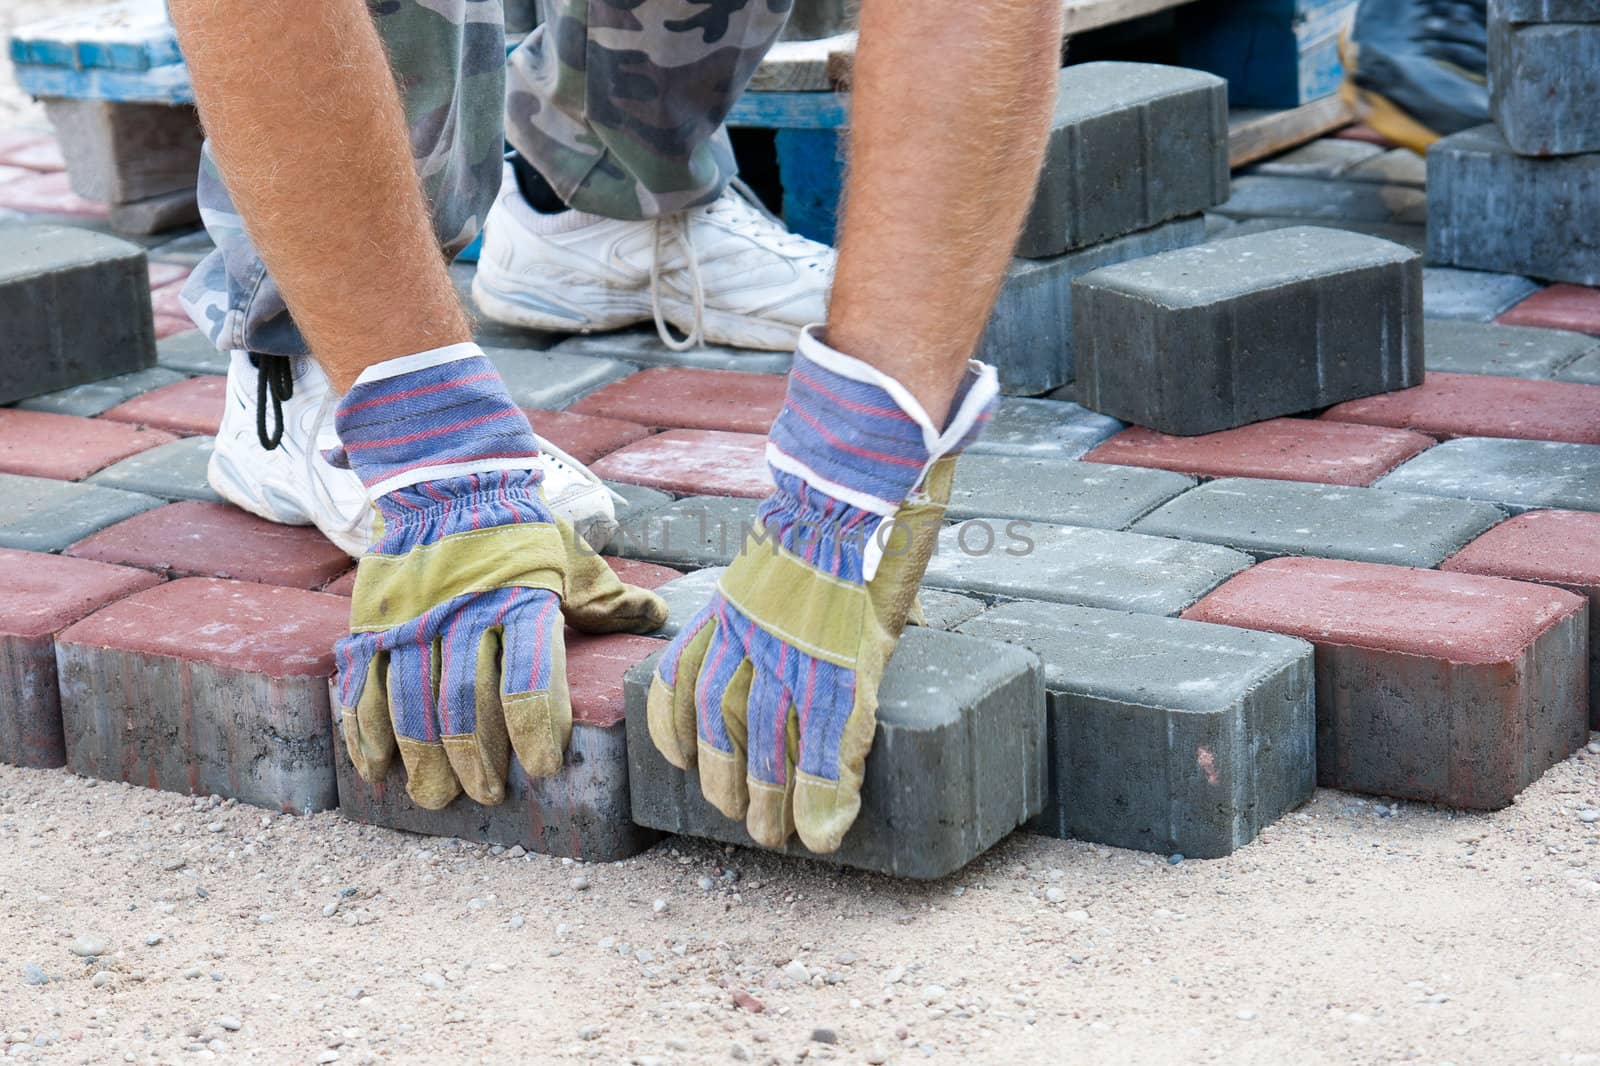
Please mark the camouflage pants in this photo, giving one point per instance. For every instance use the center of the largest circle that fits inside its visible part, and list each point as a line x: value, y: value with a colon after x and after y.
x: 618, y: 103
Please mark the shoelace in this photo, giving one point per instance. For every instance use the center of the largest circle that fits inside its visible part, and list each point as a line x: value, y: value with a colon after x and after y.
x: 274, y: 382
x: 679, y: 226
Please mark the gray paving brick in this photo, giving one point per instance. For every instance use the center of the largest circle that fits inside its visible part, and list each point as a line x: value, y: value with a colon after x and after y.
x: 45, y: 516
x: 175, y: 471
x: 1269, y: 519
x: 1492, y: 209
x: 1543, y: 82
x: 207, y: 687
x: 1472, y: 295
x: 1584, y: 370
x: 97, y: 397
x: 690, y: 533
x: 1546, y: 10
x: 552, y: 379
x: 958, y: 761
x: 156, y: 214
x: 190, y: 352
x: 76, y: 308
x: 1064, y: 492
x: 117, y: 152
x: 1131, y: 145
x: 1245, y: 329
x: 1048, y: 429
x: 636, y: 499
x: 643, y: 347
x: 1029, y: 338
x: 184, y: 249
x: 1324, y: 200
x: 1326, y: 158
x: 1072, y: 564
x: 1166, y: 735
x: 583, y: 812
x: 1514, y: 475
x: 1397, y: 166
x: 687, y: 594
x: 1503, y: 351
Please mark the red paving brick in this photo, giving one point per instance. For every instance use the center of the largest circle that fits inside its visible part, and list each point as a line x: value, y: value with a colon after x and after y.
x: 1477, y: 405
x: 693, y: 462
x: 585, y: 437
x: 203, y: 539
x: 9, y: 173
x: 1438, y: 687
x: 1572, y: 307
x: 39, y: 596
x: 1284, y: 449
x: 167, y: 274
x: 15, y: 140
x: 33, y: 150
x: 209, y: 687
x: 645, y: 575
x: 595, y: 669
x: 190, y: 408
x: 171, y: 325
x: 165, y: 299
x: 688, y: 398
x: 65, y: 447
x: 1560, y: 548
x: 48, y: 194
x: 343, y: 585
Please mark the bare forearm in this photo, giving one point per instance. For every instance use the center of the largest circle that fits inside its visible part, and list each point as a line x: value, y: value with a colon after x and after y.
x: 950, y: 109
x: 306, y: 125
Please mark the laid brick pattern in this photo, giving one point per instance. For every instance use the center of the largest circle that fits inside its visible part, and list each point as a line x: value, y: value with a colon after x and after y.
x: 585, y: 437
x: 694, y: 532
x: 940, y: 790
x: 48, y: 193
x: 1472, y: 295
x: 1059, y: 491
x: 1560, y: 548
x: 688, y: 398
x: 1436, y: 687
x: 1569, y: 307
x: 1285, y: 449
x: 175, y: 471
x: 188, y: 408
x: 1505, y: 351
x: 38, y: 444
x: 40, y: 595
x: 1514, y: 475
x: 207, y: 687
x: 1473, y: 405
x: 693, y: 462
x: 189, y: 352
x: 583, y: 812
x: 1166, y: 735
x: 97, y: 397
x: 1049, y: 429
x: 197, y: 538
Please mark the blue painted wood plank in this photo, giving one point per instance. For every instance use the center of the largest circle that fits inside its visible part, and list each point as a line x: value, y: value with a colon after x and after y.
x: 133, y: 35
x: 791, y: 111
x: 159, y: 85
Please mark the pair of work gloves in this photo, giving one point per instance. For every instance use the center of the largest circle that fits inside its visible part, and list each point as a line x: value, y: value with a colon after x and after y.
x: 456, y: 654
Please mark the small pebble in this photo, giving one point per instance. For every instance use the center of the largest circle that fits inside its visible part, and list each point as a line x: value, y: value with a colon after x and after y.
x: 1175, y: 858
x: 214, y: 827
x: 516, y: 922
x: 516, y: 851
x: 740, y: 1053
x: 796, y: 970
x: 877, y: 1057
x: 101, y: 979
x: 326, y: 1057
x: 1589, y: 816
x: 745, y: 1001
x: 1594, y: 747
x: 824, y: 1036
x: 580, y: 883
x: 589, y: 1032
x: 230, y: 1023
x: 432, y: 980
x: 152, y: 939
x: 1246, y: 1016
x: 706, y: 884
x: 86, y: 947
x: 33, y: 974
x: 1055, y: 895
x: 659, y: 906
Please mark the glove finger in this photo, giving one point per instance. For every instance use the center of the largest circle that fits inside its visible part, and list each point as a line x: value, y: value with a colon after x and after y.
x: 773, y: 739
x: 533, y: 683
x: 670, y: 710
x: 364, y: 708
x: 837, y: 719
x: 430, y: 781
x: 597, y: 600
x: 472, y: 726
x: 721, y: 697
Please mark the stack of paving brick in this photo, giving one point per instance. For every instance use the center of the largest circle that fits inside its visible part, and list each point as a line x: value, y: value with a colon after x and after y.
x: 1521, y: 195
x: 1137, y: 152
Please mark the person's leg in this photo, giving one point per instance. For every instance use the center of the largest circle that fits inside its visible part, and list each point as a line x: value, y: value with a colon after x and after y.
x: 616, y: 110
x: 277, y: 422
x: 772, y: 690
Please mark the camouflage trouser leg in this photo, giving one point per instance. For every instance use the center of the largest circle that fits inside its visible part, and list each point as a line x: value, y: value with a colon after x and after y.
x: 449, y: 59
x: 620, y: 103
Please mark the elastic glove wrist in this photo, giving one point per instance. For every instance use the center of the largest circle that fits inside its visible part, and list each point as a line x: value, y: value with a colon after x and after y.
x: 435, y: 416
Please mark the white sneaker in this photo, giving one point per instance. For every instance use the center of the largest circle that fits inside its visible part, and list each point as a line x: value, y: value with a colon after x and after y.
x: 728, y: 273
x: 294, y: 485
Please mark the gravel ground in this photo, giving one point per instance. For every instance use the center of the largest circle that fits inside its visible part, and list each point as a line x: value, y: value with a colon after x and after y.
x: 173, y: 929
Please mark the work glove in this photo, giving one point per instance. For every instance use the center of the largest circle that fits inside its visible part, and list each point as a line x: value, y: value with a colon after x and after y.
x: 772, y: 689
x: 455, y: 655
